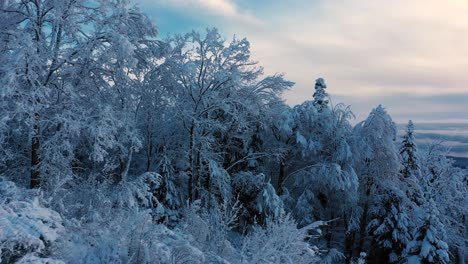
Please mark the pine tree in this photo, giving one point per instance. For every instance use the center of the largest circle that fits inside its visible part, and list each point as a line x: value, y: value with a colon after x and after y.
x: 320, y: 95
x: 167, y: 193
x: 408, y: 151
x: 410, y: 166
x: 391, y: 227
x: 447, y: 186
x: 303, y: 211
x: 427, y: 246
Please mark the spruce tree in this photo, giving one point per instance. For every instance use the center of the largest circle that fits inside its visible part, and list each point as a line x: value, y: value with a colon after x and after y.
x: 320, y: 95
x: 390, y: 227
x: 410, y: 166
x: 427, y: 246
x: 408, y: 151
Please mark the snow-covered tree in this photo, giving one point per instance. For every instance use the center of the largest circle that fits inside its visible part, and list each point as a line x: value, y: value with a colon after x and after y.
x: 71, y: 67
x: 140, y: 150
x: 390, y: 227
x: 167, y: 193
x: 220, y: 99
x: 376, y: 162
x: 281, y: 124
x: 257, y: 197
x: 408, y: 151
x: 304, y: 208
x: 321, y: 157
x: 410, y: 171
x: 375, y: 139
x: 427, y: 246
x: 316, y: 165
x: 320, y: 95
x: 280, y: 241
x: 446, y: 186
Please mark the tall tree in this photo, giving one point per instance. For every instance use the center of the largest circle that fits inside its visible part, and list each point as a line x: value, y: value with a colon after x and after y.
x: 445, y: 187
x: 410, y: 171
x: 408, y: 151
x: 68, y: 62
x: 427, y: 245
x: 220, y: 99
x: 377, y: 164
x: 391, y: 227
x: 320, y: 95
x: 316, y: 164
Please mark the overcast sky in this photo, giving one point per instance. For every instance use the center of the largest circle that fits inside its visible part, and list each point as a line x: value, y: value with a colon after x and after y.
x: 410, y: 56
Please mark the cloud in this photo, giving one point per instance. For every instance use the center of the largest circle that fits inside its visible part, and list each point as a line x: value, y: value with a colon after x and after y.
x: 374, y: 52
x: 398, y: 53
x: 449, y: 108
x: 454, y: 136
x: 203, y: 9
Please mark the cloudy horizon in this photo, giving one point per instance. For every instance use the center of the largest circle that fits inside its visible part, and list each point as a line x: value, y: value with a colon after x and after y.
x: 407, y: 56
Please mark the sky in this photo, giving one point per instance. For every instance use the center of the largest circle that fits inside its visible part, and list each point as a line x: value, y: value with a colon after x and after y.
x: 409, y: 56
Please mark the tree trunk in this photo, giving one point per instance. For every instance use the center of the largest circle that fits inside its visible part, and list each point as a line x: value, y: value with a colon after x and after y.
x: 281, y: 176
x: 349, y: 242
x: 362, y: 228
x: 35, y: 160
x: 364, y: 218
x: 191, y: 161
x: 124, y: 174
x: 149, y: 150
x: 329, y: 234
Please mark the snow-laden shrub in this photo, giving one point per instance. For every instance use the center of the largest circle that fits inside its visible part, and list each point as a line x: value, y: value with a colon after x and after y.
x: 280, y: 241
x: 117, y: 224
x: 210, y: 230
x: 129, y: 237
x: 95, y: 200
x: 27, y: 228
x: 139, y: 192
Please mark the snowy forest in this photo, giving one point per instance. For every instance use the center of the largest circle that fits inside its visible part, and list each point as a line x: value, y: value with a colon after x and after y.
x: 120, y: 146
